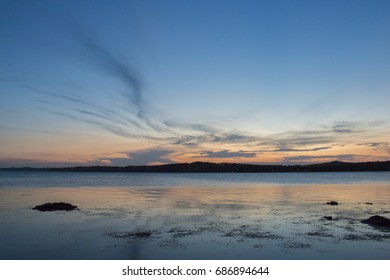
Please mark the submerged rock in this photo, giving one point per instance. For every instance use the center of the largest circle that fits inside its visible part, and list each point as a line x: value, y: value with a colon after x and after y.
x: 143, y: 234
x: 332, y: 203
x: 377, y: 221
x: 251, y: 234
x: 183, y: 232
x: 136, y: 234
x: 56, y: 206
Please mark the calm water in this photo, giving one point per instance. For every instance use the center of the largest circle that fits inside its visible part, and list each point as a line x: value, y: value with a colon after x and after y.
x: 76, y: 179
x: 194, y: 216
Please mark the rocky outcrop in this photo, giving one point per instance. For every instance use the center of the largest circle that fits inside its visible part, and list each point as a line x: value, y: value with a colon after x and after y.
x: 378, y: 221
x: 332, y: 203
x: 136, y: 234
x: 56, y: 206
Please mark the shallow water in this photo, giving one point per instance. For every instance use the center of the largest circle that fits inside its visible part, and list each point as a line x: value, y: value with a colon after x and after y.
x: 194, y: 216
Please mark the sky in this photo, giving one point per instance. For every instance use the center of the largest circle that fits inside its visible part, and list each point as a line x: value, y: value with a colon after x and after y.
x: 142, y: 82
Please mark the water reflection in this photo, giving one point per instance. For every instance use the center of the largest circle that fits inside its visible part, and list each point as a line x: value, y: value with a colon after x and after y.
x: 257, y: 221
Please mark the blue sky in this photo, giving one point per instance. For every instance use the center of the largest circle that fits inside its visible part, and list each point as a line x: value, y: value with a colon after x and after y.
x: 147, y: 82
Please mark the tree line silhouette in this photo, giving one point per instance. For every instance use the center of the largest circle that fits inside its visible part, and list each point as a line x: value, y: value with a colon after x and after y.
x: 208, y: 167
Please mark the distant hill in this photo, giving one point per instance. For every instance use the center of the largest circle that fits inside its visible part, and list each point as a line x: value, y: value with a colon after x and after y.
x: 207, y: 167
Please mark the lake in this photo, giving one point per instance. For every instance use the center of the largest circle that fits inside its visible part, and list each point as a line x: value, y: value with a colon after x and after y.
x: 194, y: 216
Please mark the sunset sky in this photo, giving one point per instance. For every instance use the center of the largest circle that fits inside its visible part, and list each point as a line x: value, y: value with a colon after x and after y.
x: 150, y: 82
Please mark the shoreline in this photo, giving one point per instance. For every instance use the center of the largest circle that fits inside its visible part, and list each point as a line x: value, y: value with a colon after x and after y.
x: 208, y: 167
x: 195, y: 223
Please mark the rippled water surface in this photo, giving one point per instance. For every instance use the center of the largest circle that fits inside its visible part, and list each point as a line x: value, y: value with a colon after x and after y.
x: 194, y: 216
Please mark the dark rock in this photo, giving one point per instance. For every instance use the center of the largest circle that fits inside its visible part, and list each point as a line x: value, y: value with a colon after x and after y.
x: 296, y: 245
x: 377, y: 221
x: 136, y: 234
x: 369, y: 203
x: 56, y: 206
x: 332, y: 203
x: 143, y: 234
x: 367, y: 236
x: 319, y: 233
x: 329, y: 218
x: 251, y: 234
x: 182, y: 232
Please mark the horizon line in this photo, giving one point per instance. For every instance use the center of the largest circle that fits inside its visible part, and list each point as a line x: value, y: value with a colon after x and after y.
x: 197, y: 162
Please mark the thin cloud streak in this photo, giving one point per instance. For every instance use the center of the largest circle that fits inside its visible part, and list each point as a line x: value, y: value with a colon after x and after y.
x: 114, y: 68
x: 227, y: 154
x: 342, y: 157
x: 302, y: 150
x: 23, y: 129
x: 87, y: 112
x: 378, y: 146
x: 122, y: 72
x: 192, y: 127
x: 141, y: 157
x: 126, y: 122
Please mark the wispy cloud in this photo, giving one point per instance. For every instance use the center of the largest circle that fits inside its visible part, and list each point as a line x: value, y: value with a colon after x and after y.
x: 302, y: 150
x: 378, y: 146
x: 192, y: 127
x: 78, y: 109
x: 29, y: 130
x: 132, y: 121
x: 114, y: 67
x: 124, y: 111
x: 214, y: 137
x: 141, y: 157
x: 29, y: 162
x: 106, y: 125
x: 300, y: 159
x: 347, y: 127
x: 227, y: 154
x: 292, y: 140
x: 326, y: 136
